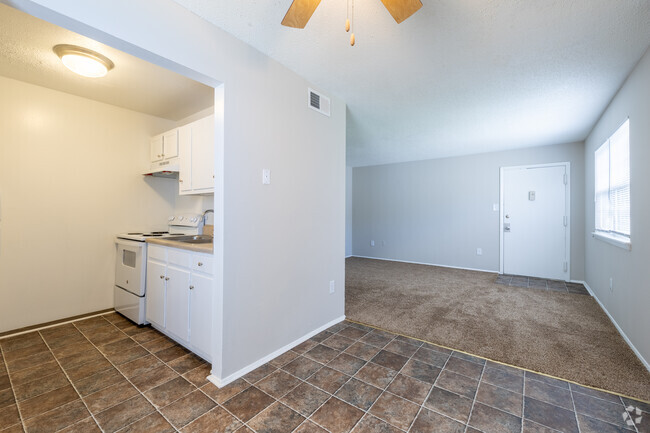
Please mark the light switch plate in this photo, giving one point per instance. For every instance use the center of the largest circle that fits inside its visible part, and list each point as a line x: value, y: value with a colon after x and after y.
x: 266, y: 176
x: 495, y: 207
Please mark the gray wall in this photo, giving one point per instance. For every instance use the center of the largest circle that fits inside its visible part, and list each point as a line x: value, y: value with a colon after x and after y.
x: 439, y: 211
x: 282, y: 243
x: 629, y: 302
x: 348, y: 211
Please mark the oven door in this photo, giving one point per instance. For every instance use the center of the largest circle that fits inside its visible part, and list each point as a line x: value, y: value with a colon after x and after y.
x: 130, y: 266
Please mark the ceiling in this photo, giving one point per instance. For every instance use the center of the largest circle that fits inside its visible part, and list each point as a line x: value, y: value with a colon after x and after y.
x: 458, y: 77
x: 26, y: 55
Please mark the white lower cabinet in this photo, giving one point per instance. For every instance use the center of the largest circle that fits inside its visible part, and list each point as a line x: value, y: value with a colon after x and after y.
x: 179, y: 297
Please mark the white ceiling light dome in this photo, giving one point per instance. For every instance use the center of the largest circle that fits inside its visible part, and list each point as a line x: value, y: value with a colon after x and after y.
x: 83, y: 61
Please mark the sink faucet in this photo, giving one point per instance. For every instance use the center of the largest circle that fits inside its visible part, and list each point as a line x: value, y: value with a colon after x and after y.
x: 205, y: 215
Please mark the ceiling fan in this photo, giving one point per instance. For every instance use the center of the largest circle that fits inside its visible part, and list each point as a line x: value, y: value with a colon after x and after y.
x: 301, y: 11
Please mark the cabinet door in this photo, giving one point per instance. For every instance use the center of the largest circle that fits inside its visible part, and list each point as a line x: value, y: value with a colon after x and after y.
x: 203, y: 155
x: 178, y: 293
x: 156, y: 293
x: 156, y: 148
x: 185, y: 158
x: 201, y: 313
x: 170, y: 144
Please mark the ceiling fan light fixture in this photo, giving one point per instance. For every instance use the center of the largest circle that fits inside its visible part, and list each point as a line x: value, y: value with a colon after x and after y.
x: 83, y: 61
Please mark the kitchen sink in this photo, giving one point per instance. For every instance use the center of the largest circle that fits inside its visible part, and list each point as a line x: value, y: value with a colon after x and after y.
x: 196, y: 239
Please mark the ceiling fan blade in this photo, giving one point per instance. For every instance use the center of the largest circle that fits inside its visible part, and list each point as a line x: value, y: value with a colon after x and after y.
x: 402, y: 9
x: 299, y: 13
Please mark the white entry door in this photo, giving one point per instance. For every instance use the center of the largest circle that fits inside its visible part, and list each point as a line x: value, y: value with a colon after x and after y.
x: 535, y: 221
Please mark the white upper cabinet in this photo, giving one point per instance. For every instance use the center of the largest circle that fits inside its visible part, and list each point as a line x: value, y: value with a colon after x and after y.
x: 196, y: 145
x: 170, y: 144
x: 164, y: 147
x: 185, y: 159
x: 157, y: 148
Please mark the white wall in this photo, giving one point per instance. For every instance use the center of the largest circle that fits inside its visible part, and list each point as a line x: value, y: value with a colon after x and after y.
x: 282, y: 243
x: 629, y: 303
x: 70, y: 180
x: 348, y: 211
x: 439, y: 211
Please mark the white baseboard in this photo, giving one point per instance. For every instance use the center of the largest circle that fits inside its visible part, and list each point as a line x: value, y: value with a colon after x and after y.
x: 618, y: 328
x: 219, y: 382
x: 65, y: 322
x: 428, y: 264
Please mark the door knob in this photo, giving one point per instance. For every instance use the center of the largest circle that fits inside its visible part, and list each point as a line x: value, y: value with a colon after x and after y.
x: 162, y: 276
x: 507, y: 215
x: 191, y: 287
x: 166, y: 278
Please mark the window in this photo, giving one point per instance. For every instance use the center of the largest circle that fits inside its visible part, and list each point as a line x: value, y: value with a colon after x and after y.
x: 612, y: 167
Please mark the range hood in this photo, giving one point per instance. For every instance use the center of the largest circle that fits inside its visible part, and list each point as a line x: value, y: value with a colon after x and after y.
x: 168, y: 169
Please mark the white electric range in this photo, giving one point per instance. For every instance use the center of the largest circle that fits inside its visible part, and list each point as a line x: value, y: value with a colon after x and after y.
x: 130, y: 291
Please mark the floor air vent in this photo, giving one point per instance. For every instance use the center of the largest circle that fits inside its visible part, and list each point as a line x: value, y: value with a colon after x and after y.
x: 319, y: 102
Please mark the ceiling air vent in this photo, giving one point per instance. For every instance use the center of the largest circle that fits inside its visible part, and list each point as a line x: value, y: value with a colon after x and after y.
x: 319, y: 102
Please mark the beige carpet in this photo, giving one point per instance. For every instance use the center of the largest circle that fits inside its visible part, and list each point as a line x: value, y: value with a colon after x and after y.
x: 563, y: 335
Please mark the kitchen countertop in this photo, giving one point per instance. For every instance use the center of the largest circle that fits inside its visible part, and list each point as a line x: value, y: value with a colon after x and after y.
x: 199, y: 248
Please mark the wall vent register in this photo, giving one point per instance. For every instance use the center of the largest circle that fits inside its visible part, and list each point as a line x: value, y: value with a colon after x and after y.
x: 318, y: 102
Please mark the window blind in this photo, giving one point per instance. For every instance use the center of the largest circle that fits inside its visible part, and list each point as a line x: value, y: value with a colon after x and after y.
x: 612, y: 183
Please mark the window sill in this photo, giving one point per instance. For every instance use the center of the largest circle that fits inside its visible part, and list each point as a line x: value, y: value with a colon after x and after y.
x: 616, y: 240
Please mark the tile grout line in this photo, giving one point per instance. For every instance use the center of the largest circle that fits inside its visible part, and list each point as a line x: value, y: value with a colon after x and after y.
x: 636, y: 428
x: 309, y: 418
x: 575, y: 411
x: 69, y: 381
x: 523, y: 402
x: 433, y: 386
x: 127, y: 379
x: 478, y: 385
x: 13, y: 391
x: 391, y: 382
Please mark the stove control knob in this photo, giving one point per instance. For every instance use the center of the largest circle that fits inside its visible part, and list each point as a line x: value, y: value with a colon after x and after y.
x: 180, y: 218
x: 171, y: 218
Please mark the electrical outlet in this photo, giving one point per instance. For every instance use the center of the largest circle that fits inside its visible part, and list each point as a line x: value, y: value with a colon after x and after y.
x: 266, y: 176
x: 611, y: 284
x: 332, y: 287
x: 479, y: 251
x: 495, y: 207
x: 372, y: 243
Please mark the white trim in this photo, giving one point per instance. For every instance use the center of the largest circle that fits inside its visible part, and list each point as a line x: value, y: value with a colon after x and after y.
x: 612, y: 239
x: 57, y: 324
x: 618, y: 328
x: 567, y: 207
x: 351, y: 255
x: 250, y: 367
x: 427, y: 264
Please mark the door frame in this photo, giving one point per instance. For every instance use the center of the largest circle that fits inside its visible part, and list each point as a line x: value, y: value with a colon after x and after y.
x: 567, y: 207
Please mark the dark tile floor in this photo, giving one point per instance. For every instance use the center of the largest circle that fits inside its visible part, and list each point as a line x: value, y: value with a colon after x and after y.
x: 540, y: 283
x: 105, y: 374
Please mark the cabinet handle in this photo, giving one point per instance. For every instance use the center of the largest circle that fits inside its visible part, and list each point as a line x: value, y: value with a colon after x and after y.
x: 191, y: 287
x: 200, y: 264
x: 166, y: 278
x: 180, y: 180
x: 162, y: 276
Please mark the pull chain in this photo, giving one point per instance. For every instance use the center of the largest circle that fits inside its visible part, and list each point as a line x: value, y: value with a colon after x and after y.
x: 347, y: 18
x: 352, y: 40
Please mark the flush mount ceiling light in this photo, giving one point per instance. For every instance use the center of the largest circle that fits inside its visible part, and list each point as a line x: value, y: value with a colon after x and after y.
x: 83, y: 61
x: 301, y: 11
